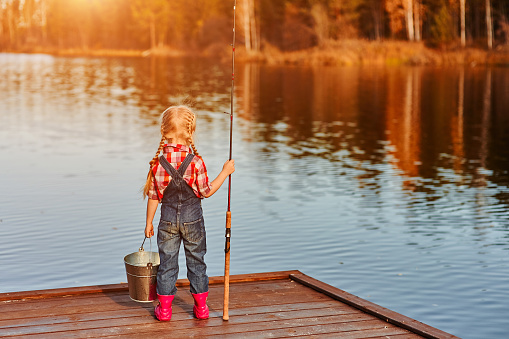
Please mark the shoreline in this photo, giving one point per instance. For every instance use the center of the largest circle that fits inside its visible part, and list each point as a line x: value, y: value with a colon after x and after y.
x: 332, y: 53
x: 389, y: 53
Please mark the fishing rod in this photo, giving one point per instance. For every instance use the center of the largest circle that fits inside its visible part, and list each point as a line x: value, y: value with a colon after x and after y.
x: 228, y: 212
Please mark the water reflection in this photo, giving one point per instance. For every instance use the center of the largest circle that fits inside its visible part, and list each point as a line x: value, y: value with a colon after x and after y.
x: 422, y: 121
x: 433, y: 126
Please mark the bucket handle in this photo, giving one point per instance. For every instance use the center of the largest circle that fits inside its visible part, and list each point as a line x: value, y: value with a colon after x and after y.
x: 149, y: 264
x: 141, y: 248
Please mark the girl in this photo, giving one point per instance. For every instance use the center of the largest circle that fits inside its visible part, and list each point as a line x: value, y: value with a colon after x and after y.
x: 178, y: 180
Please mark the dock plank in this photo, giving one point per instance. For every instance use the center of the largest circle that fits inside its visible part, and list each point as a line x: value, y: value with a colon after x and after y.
x: 249, y: 288
x: 371, y: 308
x: 74, y: 306
x: 276, y: 329
x: 189, y: 327
x: 338, y: 330
x: 407, y: 335
x: 269, y: 305
x: 180, y: 312
x: 42, y: 294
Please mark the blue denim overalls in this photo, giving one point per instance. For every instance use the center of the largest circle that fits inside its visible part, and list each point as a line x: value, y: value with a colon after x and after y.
x: 181, y: 219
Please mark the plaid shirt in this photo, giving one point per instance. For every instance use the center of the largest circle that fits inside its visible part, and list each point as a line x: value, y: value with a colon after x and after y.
x: 195, y: 175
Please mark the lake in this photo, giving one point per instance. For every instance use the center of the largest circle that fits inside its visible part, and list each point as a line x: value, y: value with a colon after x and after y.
x: 391, y: 183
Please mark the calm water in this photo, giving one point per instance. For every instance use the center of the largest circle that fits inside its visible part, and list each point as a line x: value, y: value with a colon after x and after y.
x: 389, y: 183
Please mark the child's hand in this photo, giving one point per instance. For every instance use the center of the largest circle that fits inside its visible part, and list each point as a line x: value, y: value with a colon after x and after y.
x: 229, y: 167
x: 149, y: 230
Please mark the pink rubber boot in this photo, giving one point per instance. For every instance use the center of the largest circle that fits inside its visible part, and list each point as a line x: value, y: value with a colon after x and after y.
x: 163, y: 310
x: 200, y: 309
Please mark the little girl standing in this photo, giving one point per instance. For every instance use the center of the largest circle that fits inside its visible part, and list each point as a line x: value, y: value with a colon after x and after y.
x: 178, y: 180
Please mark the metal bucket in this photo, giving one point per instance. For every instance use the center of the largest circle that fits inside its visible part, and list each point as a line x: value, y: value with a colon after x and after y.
x: 141, y: 269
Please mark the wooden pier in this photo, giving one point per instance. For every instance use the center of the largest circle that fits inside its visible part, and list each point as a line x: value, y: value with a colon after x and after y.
x: 263, y: 305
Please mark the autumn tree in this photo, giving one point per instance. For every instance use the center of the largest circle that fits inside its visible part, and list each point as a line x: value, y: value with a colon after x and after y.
x: 153, y: 15
x: 80, y: 20
x: 28, y: 10
x: 409, y: 15
x: 57, y: 22
x: 489, y: 24
x: 378, y: 14
x: 345, y: 16
x: 371, y: 18
x: 504, y: 27
x: 10, y: 21
x: 441, y: 26
x: 405, y: 15
x: 462, y: 25
x: 285, y: 24
x: 417, y: 20
x: 298, y: 28
x: 321, y: 21
x: 248, y: 21
x: 396, y: 15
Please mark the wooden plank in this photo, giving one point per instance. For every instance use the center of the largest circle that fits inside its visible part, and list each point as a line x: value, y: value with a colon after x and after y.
x: 319, y: 331
x: 252, y: 277
x: 141, y: 328
x: 306, y: 326
x: 184, y: 321
x: 371, y: 308
x: 78, y: 300
x: 299, y: 327
x: 51, y: 304
x: 326, y: 331
x: 400, y: 336
x: 63, y: 292
x: 264, y: 298
x: 39, y: 294
x: 185, y: 302
x: 406, y: 335
x: 179, y: 312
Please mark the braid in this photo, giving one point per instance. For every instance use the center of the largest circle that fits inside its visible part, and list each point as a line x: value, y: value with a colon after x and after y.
x: 191, y: 118
x: 150, y: 175
x: 154, y: 159
x: 195, y: 152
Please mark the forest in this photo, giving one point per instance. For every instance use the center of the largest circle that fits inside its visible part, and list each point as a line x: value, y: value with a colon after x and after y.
x: 204, y: 26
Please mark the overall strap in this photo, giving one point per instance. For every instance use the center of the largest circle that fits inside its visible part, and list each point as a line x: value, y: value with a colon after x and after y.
x: 171, y: 170
x: 185, y: 164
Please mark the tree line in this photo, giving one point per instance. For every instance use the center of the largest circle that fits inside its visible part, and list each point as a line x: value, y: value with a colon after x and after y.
x: 289, y: 25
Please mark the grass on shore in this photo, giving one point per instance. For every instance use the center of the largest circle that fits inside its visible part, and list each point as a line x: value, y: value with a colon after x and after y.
x: 356, y: 52
x: 334, y: 53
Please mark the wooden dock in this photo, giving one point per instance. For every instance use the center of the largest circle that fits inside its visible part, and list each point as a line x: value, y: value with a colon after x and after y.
x: 264, y: 305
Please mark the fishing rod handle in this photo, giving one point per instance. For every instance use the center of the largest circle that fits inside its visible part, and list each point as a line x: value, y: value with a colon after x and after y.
x: 227, y: 267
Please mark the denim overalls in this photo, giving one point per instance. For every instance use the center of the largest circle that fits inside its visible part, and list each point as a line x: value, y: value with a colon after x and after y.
x: 181, y: 219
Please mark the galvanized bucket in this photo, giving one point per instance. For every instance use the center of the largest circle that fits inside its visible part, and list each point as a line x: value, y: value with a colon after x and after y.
x: 141, y: 268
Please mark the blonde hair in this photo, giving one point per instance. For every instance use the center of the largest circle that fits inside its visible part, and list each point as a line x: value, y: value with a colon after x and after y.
x: 177, y: 123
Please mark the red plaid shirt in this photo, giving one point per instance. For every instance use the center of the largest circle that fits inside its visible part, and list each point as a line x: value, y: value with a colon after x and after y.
x: 195, y: 175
